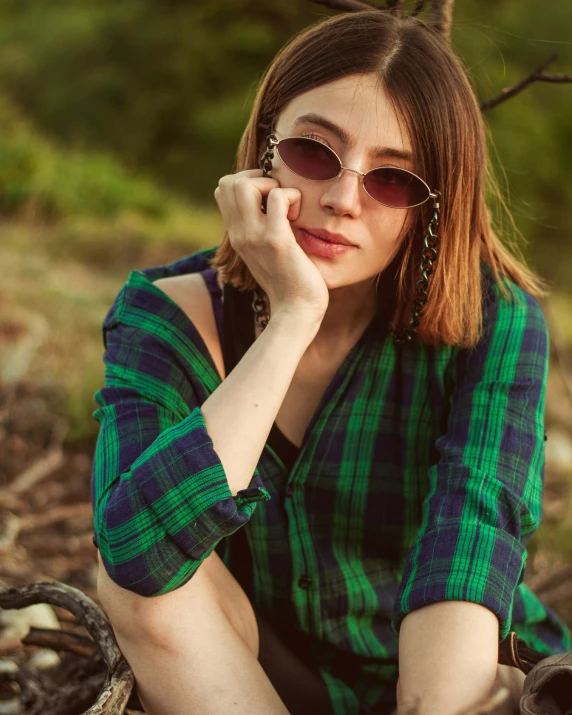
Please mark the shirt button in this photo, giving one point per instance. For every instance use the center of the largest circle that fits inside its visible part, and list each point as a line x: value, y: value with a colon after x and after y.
x: 304, y: 581
x: 289, y: 490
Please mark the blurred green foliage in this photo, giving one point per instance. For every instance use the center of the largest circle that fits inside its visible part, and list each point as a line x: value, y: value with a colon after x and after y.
x: 55, y: 182
x: 109, y: 92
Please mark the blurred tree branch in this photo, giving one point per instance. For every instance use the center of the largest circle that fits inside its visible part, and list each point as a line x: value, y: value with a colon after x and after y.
x: 537, y: 76
x: 440, y: 20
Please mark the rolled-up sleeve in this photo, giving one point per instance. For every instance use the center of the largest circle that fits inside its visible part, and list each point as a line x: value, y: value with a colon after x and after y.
x: 485, y: 492
x: 160, y: 495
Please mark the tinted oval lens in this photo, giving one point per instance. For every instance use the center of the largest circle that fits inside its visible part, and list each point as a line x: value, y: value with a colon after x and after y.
x: 309, y: 158
x: 395, y: 187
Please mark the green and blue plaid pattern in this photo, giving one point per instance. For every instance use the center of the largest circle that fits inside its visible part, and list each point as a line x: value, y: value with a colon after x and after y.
x: 419, y: 480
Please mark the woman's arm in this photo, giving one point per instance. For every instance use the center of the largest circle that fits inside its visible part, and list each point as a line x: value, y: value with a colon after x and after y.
x: 448, y: 655
x: 485, y: 493
x: 161, y: 497
x: 240, y: 412
x: 484, y: 501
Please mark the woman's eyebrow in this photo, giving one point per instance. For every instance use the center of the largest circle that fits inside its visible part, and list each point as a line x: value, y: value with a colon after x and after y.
x: 377, y: 152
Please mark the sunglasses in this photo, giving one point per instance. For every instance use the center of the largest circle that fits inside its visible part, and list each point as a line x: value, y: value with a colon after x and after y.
x: 388, y: 185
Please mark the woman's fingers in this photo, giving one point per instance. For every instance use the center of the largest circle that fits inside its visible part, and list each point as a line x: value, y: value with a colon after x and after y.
x: 249, y: 193
x: 282, y: 205
x: 266, y: 242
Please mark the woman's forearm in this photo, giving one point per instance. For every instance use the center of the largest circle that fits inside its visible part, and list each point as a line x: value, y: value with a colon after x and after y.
x: 448, y: 656
x: 240, y: 412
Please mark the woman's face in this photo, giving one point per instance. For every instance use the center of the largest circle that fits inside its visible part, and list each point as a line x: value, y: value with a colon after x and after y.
x: 361, y: 123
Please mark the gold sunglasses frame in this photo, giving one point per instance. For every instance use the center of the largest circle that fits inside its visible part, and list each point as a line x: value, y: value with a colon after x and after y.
x: 273, y: 142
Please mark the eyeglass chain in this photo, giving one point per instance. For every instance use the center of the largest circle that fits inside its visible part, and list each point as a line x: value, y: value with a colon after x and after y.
x: 259, y: 304
x: 428, y: 258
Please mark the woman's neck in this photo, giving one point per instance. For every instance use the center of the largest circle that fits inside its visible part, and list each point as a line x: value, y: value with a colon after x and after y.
x: 349, y: 312
x: 349, y: 309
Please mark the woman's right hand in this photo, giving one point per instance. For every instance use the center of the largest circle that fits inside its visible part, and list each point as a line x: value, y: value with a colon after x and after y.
x: 266, y: 242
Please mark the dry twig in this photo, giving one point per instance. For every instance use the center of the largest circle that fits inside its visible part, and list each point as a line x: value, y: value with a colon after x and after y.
x: 537, y: 76
x: 441, y: 17
x: 418, y: 9
x: 60, y: 640
x: 44, y: 466
x: 58, y: 513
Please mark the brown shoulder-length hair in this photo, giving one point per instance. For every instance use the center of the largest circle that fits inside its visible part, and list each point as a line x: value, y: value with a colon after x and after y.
x: 431, y: 93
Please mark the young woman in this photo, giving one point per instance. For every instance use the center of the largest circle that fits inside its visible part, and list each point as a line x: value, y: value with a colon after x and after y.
x: 321, y: 446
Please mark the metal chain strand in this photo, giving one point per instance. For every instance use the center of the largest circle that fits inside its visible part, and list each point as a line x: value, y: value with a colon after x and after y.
x: 428, y: 258
x: 259, y: 304
x: 259, y: 308
x: 266, y: 159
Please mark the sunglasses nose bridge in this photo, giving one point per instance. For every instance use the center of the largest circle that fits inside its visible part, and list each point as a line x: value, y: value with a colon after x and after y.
x: 354, y: 171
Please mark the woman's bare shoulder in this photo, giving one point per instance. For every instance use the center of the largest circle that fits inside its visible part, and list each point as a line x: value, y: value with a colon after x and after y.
x: 191, y: 294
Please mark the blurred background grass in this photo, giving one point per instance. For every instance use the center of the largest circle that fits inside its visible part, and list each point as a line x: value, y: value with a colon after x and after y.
x: 117, y: 120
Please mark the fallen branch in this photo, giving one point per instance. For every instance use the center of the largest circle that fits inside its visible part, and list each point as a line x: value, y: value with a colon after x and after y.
x: 118, y: 684
x: 37, y: 472
x: 58, y: 513
x: 41, y: 469
x: 61, y: 641
x: 57, y: 545
x: 74, y: 601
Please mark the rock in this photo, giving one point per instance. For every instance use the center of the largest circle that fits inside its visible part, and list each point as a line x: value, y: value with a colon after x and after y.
x: 43, y: 659
x: 15, y: 623
x: 8, y: 666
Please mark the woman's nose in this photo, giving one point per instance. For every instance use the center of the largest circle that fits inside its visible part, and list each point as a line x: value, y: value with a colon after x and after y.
x: 344, y: 194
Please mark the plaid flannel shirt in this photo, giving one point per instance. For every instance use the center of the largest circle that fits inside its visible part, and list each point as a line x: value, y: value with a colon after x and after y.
x: 419, y: 480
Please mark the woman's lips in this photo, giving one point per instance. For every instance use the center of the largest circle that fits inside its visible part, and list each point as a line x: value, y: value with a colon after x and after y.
x: 327, y: 236
x: 319, y: 247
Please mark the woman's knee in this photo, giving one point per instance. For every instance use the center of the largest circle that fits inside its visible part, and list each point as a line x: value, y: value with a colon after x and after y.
x: 151, y: 619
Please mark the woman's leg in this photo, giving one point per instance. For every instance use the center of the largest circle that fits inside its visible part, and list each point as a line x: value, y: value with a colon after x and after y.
x: 513, y: 680
x: 194, y: 650
x: 508, y: 677
x: 296, y: 680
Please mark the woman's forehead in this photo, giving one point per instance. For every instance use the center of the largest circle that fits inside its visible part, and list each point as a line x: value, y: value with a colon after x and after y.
x: 355, y: 109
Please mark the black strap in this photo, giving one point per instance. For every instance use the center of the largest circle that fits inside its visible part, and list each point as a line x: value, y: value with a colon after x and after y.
x: 238, y: 336
x: 238, y: 325
x: 515, y: 652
